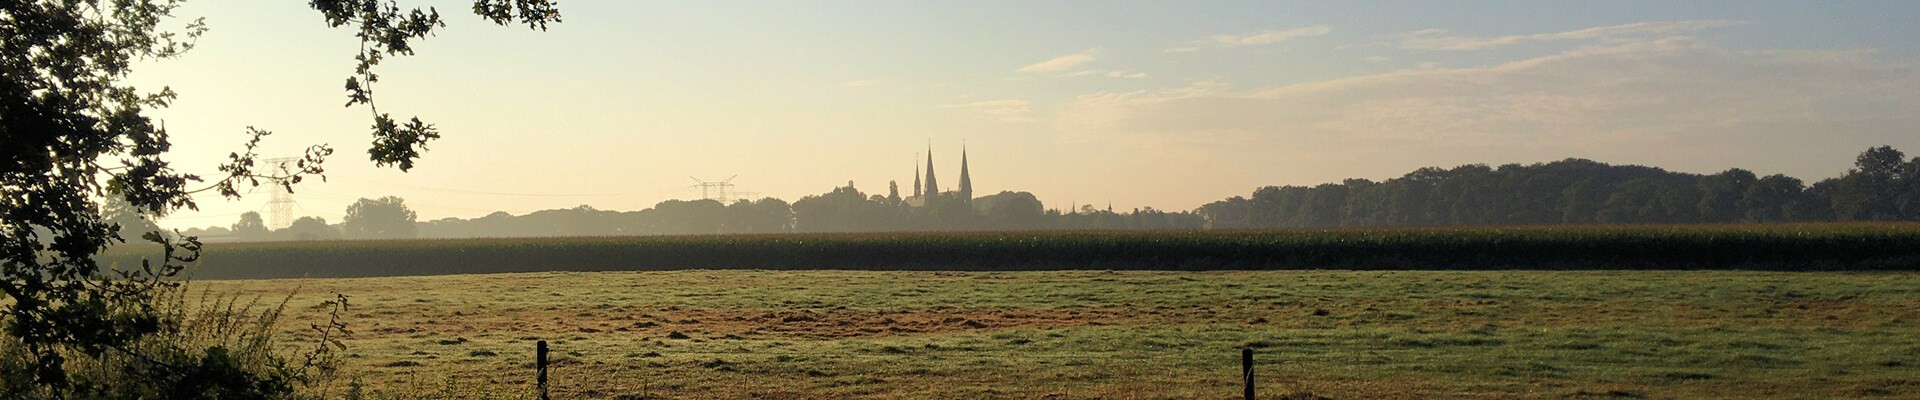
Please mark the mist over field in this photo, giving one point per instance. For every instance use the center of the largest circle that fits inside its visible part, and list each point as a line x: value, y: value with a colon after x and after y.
x: 1119, y: 106
x: 525, y: 199
x: 1883, y: 186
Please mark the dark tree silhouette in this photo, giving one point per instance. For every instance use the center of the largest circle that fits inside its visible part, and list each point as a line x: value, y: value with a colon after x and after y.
x: 250, y: 226
x: 1881, y: 187
x: 309, y: 228
x: 75, y: 131
x: 382, y: 218
x: 131, y: 220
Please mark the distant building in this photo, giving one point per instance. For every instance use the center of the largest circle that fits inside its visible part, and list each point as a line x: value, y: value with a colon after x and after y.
x: 931, y: 187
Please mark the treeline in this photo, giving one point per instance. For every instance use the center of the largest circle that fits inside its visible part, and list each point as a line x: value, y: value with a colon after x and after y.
x: 382, y: 218
x: 844, y: 209
x: 1882, y: 186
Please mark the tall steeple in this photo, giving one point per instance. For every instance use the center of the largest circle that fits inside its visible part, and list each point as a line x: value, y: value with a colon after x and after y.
x: 933, y: 185
x: 916, y: 178
x: 966, y: 182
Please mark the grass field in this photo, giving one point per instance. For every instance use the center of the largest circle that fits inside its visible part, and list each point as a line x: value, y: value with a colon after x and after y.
x: 703, y: 334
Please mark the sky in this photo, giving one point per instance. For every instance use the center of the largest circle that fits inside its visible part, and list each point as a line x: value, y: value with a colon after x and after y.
x: 1156, y: 104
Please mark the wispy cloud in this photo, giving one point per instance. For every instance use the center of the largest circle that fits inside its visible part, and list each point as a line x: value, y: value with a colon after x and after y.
x: 1668, y: 101
x: 1252, y: 39
x: 1270, y: 37
x: 1062, y: 63
x: 1121, y: 73
x: 1439, y: 40
x: 1070, y: 66
x: 1005, y: 110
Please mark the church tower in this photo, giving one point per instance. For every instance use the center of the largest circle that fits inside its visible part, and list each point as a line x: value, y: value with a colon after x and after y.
x: 966, y: 182
x: 916, y: 179
x: 933, y: 185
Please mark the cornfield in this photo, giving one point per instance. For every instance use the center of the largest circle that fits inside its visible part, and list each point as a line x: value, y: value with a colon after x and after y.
x: 1792, y: 247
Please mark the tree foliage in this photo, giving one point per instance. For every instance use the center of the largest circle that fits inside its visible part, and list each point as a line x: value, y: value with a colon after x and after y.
x: 1573, y: 191
x: 310, y: 228
x: 75, y: 133
x: 1880, y: 187
x: 382, y: 218
x: 250, y: 225
x: 843, y: 209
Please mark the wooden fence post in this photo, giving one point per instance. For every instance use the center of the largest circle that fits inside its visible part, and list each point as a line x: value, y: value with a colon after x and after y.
x: 1246, y: 370
x: 540, y: 363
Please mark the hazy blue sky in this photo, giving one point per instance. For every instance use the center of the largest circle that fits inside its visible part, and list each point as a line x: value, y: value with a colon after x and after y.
x: 1154, y: 103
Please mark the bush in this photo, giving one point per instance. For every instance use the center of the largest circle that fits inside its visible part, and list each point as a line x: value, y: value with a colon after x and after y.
x: 207, y: 347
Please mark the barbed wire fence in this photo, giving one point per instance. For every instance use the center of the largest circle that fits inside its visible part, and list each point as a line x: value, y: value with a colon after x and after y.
x: 1052, y: 375
x: 1212, y: 371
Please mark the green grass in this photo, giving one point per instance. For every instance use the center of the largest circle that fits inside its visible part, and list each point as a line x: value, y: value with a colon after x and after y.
x: 1832, y: 246
x: 1136, y: 334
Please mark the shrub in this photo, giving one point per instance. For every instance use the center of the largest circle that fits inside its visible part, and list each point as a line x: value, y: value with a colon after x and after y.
x: 206, y: 346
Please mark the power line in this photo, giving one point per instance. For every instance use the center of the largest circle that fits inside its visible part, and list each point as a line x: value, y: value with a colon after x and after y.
x: 491, y: 193
x: 350, y: 199
x: 170, y: 217
x: 707, y: 188
x: 280, y: 206
x: 291, y: 201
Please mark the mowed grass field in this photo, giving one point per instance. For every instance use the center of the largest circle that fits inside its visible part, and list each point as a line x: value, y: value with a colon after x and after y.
x: 718, y: 334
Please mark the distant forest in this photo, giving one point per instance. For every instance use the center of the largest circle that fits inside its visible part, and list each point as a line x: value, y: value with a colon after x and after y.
x: 1883, y: 185
x: 844, y: 209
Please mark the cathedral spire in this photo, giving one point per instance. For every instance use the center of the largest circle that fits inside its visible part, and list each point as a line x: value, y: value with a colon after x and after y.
x: 916, y: 177
x: 966, y: 182
x: 933, y: 185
